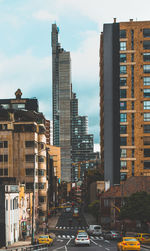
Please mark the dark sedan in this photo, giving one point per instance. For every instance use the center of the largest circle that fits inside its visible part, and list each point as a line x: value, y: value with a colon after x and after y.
x: 112, y: 235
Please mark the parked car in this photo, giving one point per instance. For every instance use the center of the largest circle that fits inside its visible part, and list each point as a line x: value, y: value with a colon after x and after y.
x: 82, y: 239
x: 94, y: 230
x: 143, y: 238
x: 112, y: 235
x: 128, y: 243
x: 45, y: 239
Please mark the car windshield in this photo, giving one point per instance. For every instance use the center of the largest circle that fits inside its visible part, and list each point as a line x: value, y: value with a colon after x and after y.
x: 82, y: 236
x: 133, y: 239
x: 97, y: 228
x: 146, y: 236
x: 44, y: 236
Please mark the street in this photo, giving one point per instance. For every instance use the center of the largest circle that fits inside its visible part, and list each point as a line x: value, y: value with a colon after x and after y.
x: 65, y: 235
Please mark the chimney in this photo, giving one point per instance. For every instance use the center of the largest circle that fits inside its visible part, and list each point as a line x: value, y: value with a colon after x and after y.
x: 115, y: 19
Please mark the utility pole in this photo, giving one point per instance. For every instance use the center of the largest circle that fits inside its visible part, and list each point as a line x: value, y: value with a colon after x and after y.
x: 33, y: 207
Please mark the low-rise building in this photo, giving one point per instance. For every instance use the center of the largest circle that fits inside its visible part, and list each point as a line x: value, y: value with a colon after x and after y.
x: 9, y: 216
x: 112, y: 199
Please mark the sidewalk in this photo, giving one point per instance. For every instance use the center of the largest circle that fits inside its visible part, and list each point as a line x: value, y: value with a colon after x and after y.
x: 52, y: 221
x: 51, y: 225
x: 90, y: 219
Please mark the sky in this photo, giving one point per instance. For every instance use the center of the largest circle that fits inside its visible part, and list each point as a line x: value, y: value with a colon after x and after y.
x: 25, y: 47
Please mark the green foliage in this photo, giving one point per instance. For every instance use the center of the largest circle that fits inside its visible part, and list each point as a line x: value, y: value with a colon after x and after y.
x: 136, y: 207
x: 94, y: 208
x: 94, y: 175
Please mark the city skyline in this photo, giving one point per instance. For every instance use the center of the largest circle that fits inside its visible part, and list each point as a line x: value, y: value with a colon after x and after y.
x: 25, y: 48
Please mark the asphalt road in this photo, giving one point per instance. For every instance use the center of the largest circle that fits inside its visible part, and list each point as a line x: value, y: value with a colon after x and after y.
x: 66, y: 232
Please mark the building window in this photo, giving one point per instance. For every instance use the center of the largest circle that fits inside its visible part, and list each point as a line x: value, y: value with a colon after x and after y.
x: 123, y: 105
x: 146, y: 141
x: 132, y: 153
x: 41, y: 172
x: 30, y: 158
x: 146, y: 105
x: 3, y: 127
x: 41, y: 159
x: 4, y: 158
x: 3, y: 144
x: 123, y: 58
x: 29, y: 144
x: 106, y: 202
x: 123, y: 81
x: 146, y: 57
x: 29, y: 171
x: 146, y: 116
x: 132, y: 39
x: 41, y: 199
x: 18, y: 106
x: 123, y: 117
x: 123, y: 129
x: 146, y: 68
x: 29, y: 185
x: 123, y: 176
x: 146, y: 164
x: 146, y: 128
x: 146, y: 45
x: 122, y: 93
x: 146, y: 80
x: 146, y: 93
x: 122, y: 33
x: 123, y: 164
x: 122, y: 46
x: 146, y: 152
x: 123, y: 69
x: 1, y: 171
x: 6, y: 205
x: 5, y: 171
x: 123, y: 141
x: 41, y: 185
x: 123, y: 153
x: 146, y: 32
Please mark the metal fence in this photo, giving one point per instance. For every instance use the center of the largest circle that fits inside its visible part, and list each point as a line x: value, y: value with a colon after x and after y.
x: 39, y: 247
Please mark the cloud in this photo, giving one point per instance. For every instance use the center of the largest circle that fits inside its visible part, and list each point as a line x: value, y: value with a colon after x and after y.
x: 85, y: 60
x: 44, y: 15
x: 26, y: 72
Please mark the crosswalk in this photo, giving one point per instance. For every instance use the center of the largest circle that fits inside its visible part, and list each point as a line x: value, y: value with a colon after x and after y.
x: 73, y: 227
x: 63, y: 236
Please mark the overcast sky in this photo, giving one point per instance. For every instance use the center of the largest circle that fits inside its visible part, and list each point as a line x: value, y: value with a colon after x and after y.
x: 25, y: 47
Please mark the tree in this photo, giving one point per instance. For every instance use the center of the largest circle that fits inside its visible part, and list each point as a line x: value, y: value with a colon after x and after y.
x: 136, y: 207
x: 94, y: 208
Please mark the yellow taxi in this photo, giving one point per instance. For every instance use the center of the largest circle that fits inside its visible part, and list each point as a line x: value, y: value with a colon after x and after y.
x: 45, y: 239
x: 81, y: 231
x: 128, y: 243
x: 143, y: 238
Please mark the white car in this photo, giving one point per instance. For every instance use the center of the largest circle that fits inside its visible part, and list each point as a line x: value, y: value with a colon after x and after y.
x: 94, y: 230
x: 82, y: 239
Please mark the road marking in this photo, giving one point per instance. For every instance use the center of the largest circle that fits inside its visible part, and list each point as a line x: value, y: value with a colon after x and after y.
x: 94, y: 242
x: 107, y: 241
x: 72, y: 236
x: 68, y: 236
x: 64, y: 236
x: 107, y: 248
x: 68, y: 242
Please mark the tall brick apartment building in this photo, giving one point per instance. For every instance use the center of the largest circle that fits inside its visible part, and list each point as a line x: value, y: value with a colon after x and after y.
x: 125, y: 100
